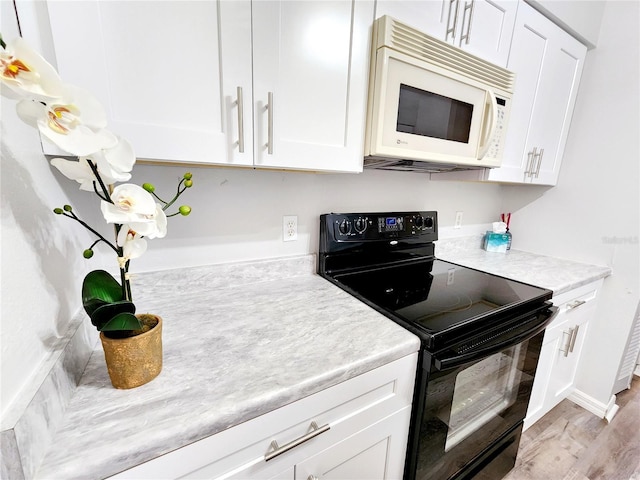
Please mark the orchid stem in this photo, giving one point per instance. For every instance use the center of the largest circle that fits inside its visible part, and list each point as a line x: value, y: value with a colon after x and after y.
x: 180, y: 192
x: 85, y: 225
x: 94, y: 169
x: 155, y: 195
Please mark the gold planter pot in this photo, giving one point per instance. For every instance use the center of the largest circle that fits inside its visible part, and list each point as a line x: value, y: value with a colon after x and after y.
x: 134, y: 361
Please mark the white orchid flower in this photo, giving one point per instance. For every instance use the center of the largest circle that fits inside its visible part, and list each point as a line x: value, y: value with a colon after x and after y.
x: 24, y: 73
x: 113, y: 166
x: 75, y: 122
x: 116, y: 162
x: 131, y: 204
x: 156, y: 228
x: 133, y: 245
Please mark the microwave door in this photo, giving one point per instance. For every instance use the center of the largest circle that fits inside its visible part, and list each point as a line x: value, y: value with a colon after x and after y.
x: 427, y: 114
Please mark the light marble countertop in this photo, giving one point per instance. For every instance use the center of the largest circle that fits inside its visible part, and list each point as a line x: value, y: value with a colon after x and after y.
x: 556, y: 274
x: 239, y: 341
x: 243, y: 339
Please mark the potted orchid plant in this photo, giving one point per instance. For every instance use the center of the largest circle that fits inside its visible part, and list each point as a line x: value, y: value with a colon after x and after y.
x: 73, y: 120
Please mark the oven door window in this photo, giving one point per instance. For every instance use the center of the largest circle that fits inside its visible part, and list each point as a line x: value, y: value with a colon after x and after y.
x: 468, y: 408
x: 482, y: 393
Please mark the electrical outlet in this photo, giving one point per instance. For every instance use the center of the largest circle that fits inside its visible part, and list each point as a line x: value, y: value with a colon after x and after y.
x: 289, y: 228
x: 450, y: 276
x: 458, y: 222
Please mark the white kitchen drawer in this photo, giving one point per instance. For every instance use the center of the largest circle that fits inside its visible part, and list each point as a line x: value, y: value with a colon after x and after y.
x: 239, y: 452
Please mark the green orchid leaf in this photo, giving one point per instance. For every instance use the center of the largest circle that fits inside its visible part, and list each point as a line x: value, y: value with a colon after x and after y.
x: 99, y: 288
x: 122, y: 321
x: 105, y: 313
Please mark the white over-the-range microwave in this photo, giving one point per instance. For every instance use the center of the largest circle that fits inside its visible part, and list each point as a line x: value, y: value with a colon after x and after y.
x: 432, y: 106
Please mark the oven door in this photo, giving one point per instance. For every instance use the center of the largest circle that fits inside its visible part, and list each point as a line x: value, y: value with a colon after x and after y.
x: 471, y: 403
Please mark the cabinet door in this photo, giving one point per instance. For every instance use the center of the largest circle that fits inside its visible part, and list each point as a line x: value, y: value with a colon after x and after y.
x: 484, y: 28
x: 375, y: 452
x: 561, y: 350
x: 166, y: 72
x: 310, y: 63
x: 567, y: 353
x: 548, y: 63
x: 427, y: 16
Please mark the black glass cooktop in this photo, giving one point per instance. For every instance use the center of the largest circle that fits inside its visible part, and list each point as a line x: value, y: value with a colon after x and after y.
x: 440, y: 300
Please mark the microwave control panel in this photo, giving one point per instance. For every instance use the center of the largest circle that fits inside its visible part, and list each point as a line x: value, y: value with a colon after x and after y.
x: 497, y: 141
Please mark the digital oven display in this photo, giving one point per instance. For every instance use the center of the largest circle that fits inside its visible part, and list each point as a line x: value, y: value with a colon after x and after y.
x: 390, y: 224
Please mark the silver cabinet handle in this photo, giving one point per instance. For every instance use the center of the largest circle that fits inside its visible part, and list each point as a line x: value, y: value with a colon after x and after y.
x: 452, y: 30
x: 465, y: 37
x: 573, y: 338
x: 240, y: 104
x: 567, y: 344
x: 312, y: 477
x: 575, y: 304
x: 540, y: 154
x: 277, y: 450
x: 270, y: 124
x: 531, y: 158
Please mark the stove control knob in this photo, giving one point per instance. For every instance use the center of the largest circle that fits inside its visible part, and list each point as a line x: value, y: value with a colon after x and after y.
x: 344, y: 227
x: 428, y: 222
x: 419, y: 221
x: 360, y: 225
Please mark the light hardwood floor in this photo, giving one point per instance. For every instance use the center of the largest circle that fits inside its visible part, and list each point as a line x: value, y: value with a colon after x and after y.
x: 569, y: 443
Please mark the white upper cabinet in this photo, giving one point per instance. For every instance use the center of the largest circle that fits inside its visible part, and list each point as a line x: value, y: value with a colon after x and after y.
x: 166, y: 72
x: 310, y: 74
x: 481, y: 27
x: 548, y: 64
x: 266, y: 84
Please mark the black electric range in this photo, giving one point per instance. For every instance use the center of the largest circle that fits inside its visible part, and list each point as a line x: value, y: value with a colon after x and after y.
x: 466, y: 319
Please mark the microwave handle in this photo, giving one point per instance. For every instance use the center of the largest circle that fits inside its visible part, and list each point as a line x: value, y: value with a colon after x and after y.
x: 484, y: 146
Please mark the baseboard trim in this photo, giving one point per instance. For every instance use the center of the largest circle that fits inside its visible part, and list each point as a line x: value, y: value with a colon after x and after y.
x: 602, y: 410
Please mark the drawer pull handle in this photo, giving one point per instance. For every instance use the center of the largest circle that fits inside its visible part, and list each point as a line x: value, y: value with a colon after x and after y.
x: 576, y: 304
x: 279, y: 450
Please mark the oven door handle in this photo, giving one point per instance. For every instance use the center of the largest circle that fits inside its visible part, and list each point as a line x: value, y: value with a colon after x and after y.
x: 544, y: 318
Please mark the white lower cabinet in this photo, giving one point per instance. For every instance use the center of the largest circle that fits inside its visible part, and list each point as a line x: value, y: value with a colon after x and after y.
x: 375, y: 452
x: 561, y: 350
x: 356, y: 429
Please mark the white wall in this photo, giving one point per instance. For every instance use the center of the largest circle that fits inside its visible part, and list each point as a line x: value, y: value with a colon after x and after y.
x: 593, y: 214
x: 237, y: 214
x: 42, y: 266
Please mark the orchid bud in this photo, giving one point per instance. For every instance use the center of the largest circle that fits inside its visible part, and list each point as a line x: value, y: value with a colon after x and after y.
x: 88, y: 253
x: 57, y: 211
x: 188, y: 183
x: 187, y: 176
x: 149, y: 187
x: 67, y: 208
x: 184, y: 210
